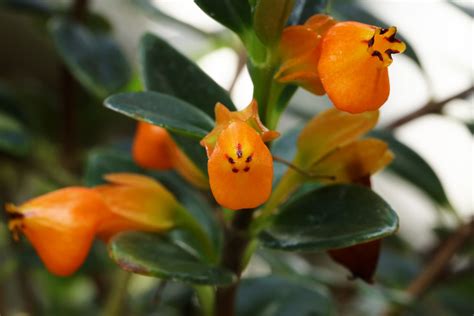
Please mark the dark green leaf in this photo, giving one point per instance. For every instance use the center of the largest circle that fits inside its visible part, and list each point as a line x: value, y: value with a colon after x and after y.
x: 235, y: 14
x: 284, y: 147
x: 101, y: 162
x: 167, y: 71
x: 413, y: 168
x: 31, y: 6
x: 163, y: 110
x: 351, y: 10
x: 269, y: 19
x: 193, y: 150
x: 304, y: 9
x: 332, y: 217
x: 153, y: 255
x: 14, y: 139
x: 280, y: 297
x: 94, y: 59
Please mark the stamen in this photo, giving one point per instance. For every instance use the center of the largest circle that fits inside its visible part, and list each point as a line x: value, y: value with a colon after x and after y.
x: 239, y: 151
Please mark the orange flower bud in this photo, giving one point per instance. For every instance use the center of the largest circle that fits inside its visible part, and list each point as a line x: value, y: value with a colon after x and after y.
x: 136, y: 202
x: 353, y: 65
x: 240, y: 168
x: 153, y: 147
x: 60, y: 225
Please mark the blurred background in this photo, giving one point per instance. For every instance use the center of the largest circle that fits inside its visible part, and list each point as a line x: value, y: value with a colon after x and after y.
x: 52, y: 119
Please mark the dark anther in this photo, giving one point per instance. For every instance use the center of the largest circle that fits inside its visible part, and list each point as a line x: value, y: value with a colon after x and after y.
x: 371, y: 41
x: 249, y: 159
x: 239, y: 151
x: 230, y: 160
x: 235, y: 170
x: 246, y: 169
x: 389, y: 52
x: 392, y: 39
x: 378, y: 54
x: 383, y: 31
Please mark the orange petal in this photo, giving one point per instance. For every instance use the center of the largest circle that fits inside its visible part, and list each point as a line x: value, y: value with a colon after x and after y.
x: 240, y: 168
x: 61, y: 226
x: 153, y: 147
x: 354, y: 76
x: 139, y: 200
x: 354, y: 161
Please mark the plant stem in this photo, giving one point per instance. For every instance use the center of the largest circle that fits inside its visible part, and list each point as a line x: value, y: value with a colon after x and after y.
x: 117, y: 295
x: 430, y: 108
x: 205, y: 295
x: 236, y: 241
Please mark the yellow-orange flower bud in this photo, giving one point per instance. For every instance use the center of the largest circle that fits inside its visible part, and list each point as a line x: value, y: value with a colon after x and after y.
x: 60, y: 225
x: 153, y: 147
x: 136, y: 202
x: 240, y: 168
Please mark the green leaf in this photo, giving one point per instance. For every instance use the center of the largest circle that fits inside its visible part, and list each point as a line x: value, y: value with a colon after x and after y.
x: 351, y: 10
x: 14, y: 139
x: 269, y: 19
x: 281, y: 297
x: 94, y: 59
x: 332, y: 217
x: 103, y: 161
x: 163, y: 110
x: 304, y: 9
x: 235, y: 14
x: 413, y: 168
x: 167, y: 71
x: 154, y: 255
x: 284, y: 147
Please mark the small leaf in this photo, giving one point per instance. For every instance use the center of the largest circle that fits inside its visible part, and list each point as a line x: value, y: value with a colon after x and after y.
x: 163, y: 110
x: 413, y: 168
x: 304, y: 9
x: 154, y: 255
x: 332, y: 217
x: 360, y: 259
x: 13, y: 137
x: 167, y: 71
x: 277, y: 296
x: 235, y: 14
x: 269, y: 19
x: 95, y: 60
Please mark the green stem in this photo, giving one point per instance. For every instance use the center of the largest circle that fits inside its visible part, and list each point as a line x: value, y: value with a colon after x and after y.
x: 117, y: 295
x: 206, y: 298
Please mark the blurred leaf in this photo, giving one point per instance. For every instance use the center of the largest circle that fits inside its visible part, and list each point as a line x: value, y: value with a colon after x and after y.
x: 304, y: 9
x: 354, y: 11
x: 360, y: 259
x: 284, y: 147
x: 13, y: 137
x: 463, y: 6
x: 193, y: 150
x: 33, y: 6
x: 280, y: 297
x: 154, y: 255
x: 413, y: 168
x: 162, y: 110
x: 167, y: 71
x: 470, y: 126
x: 94, y: 59
x: 101, y: 162
x: 270, y: 17
x: 235, y: 14
x: 331, y: 217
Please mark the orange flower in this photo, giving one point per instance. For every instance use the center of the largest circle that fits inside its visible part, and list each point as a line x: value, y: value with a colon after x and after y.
x: 353, y: 65
x: 346, y: 60
x: 240, y: 165
x: 153, y: 147
x: 136, y: 202
x: 60, y: 225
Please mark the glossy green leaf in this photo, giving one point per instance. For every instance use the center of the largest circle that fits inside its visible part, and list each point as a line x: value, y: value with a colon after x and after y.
x: 167, y: 71
x: 154, y: 255
x: 269, y: 19
x: 354, y: 11
x: 413, y: 168
x: 277, y: 296
x: 14, y: 139
x: 235, y: 14
x: 163, y: 110
x: 101, y: 162
x: 94, y: 59
x: 304, y: 9
x: 331, y: 217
